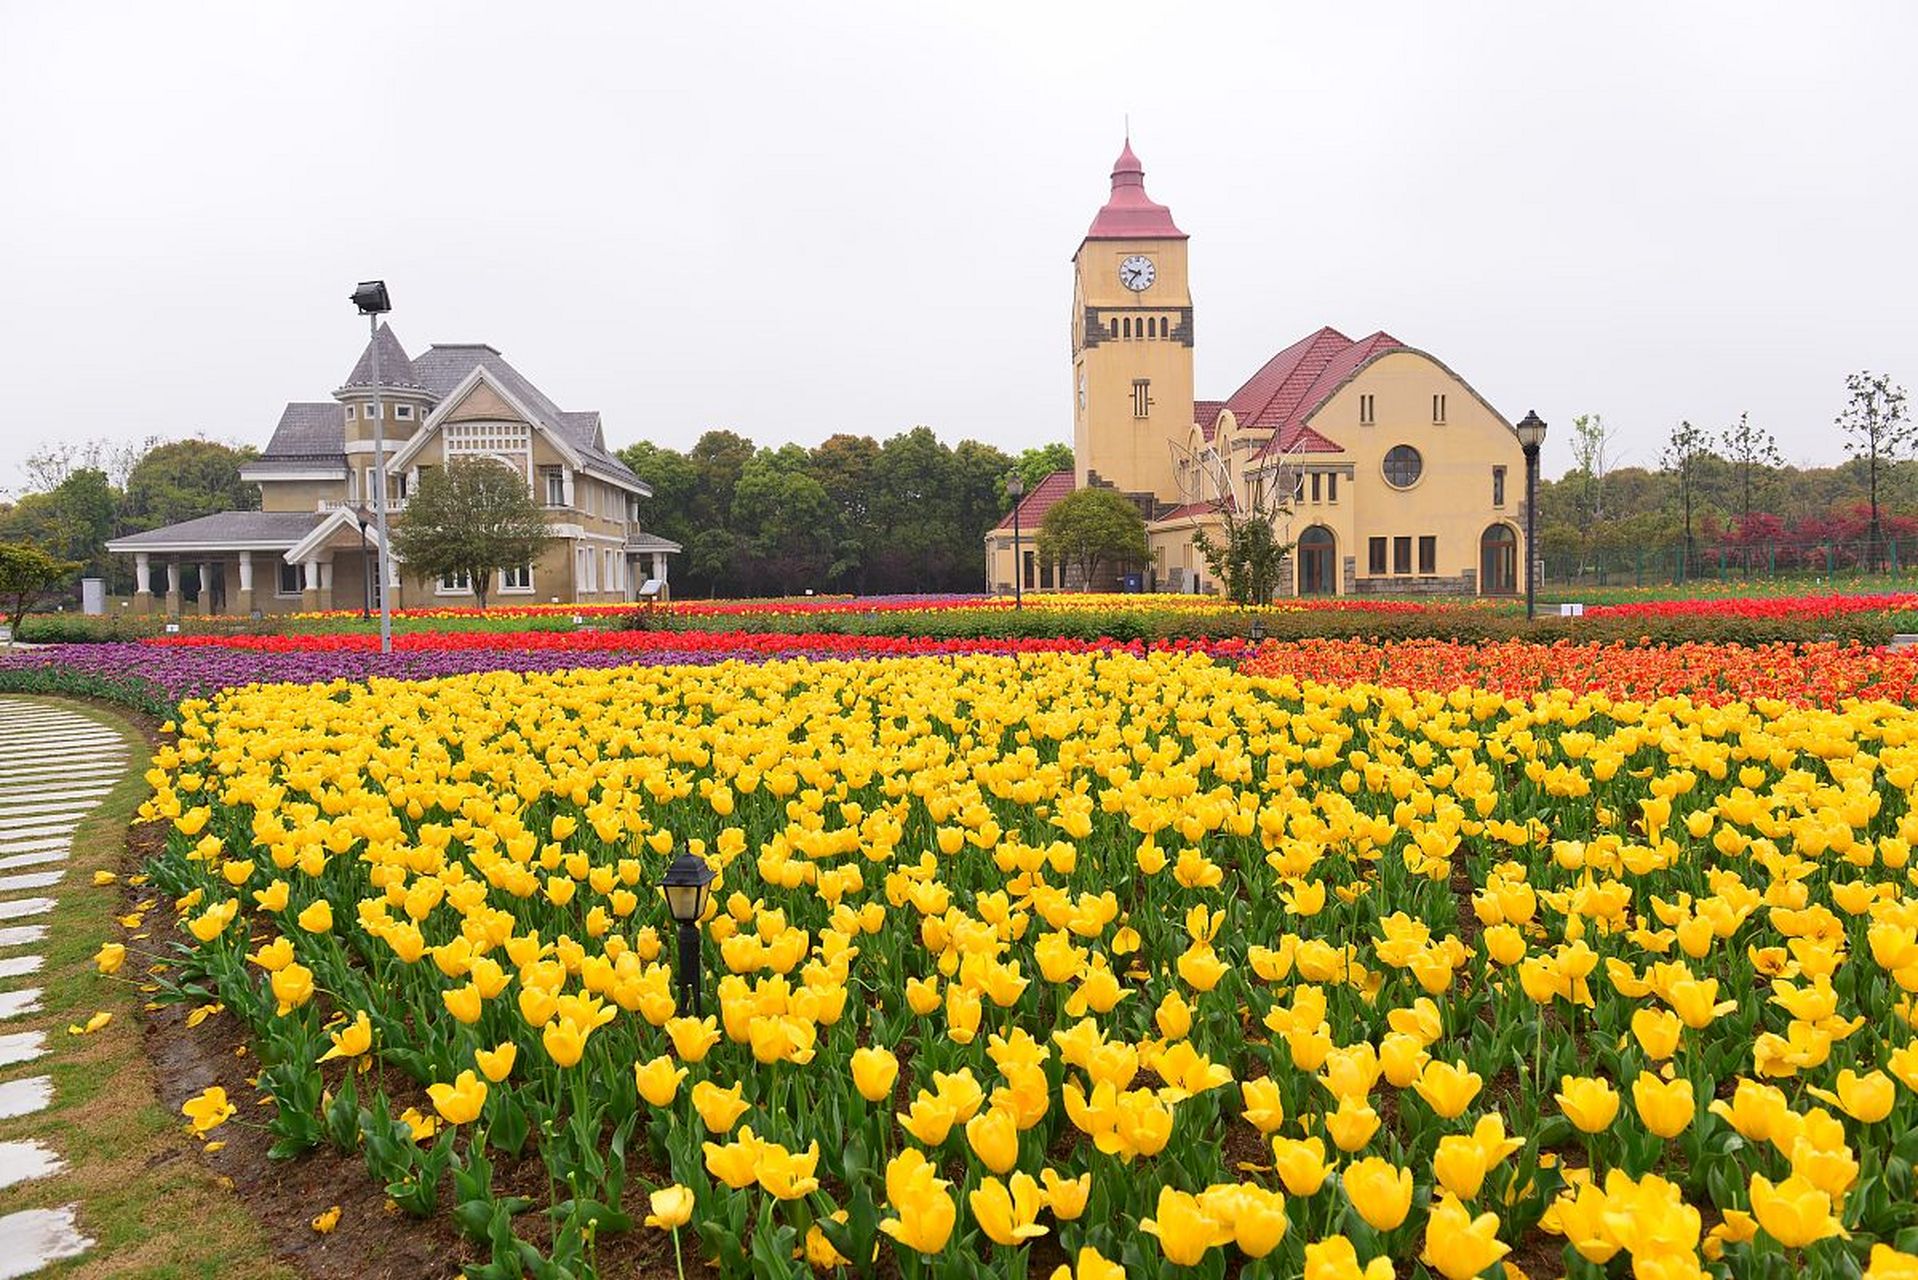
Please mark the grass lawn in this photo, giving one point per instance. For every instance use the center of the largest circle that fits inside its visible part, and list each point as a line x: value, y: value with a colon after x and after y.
x: 147, y: 1200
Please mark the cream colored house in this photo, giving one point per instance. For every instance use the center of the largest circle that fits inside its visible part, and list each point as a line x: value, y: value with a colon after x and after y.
x: 1383, y: 469
x: 312, y: 544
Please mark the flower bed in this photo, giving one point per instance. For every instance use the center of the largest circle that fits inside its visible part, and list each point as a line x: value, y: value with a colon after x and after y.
x: 1082, y: 959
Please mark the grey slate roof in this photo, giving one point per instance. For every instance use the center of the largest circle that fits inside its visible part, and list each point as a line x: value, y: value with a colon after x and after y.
x: 650, y: 542
x: 272, y: 530
x: 310, y: 437
x: 396, y: 370
x: 443, y: 366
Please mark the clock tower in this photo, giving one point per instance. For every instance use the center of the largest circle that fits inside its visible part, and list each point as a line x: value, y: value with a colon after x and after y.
x: 1131, y: 341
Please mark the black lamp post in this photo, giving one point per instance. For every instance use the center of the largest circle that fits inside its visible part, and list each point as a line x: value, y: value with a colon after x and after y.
x: 373, y: 302
x: 1258, y: 628
x: 1531, y: 436
x: 1016, y: 489
x: 687, y: 884
x: 360, y: 517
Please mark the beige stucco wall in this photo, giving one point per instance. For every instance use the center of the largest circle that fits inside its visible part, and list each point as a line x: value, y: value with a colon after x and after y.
x: 1129, y: 452
x: 299, y: 495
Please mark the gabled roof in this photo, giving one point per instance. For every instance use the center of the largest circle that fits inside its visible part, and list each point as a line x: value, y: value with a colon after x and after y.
x: 1196, y: 509
x: 1290, y: 387
x: 396, y: 370
x: 444, y: 366
x: 1040, y: 499
x: 1130, y: 214
x: 1206, y: 414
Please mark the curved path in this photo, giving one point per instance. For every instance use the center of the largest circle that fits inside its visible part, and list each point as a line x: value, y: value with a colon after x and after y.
x: 55, y: 766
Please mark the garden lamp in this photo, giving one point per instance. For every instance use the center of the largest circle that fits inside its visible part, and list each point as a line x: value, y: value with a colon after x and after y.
x: 1016, y: 489
x: 1258, y: 628
x: 1531, y: 437
x: 687, y: 884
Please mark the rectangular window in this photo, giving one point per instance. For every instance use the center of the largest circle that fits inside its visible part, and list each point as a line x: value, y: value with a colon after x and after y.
x: 516, y: 579
x: 555, y: 480
x: 611, y: 577
x: 1428, y: 554
x: 455, y: 584
x: 398, y: 485
x: 1376, y: 555
x: 404, y: 412
x: 1030, y: 571
x: 1438, y: 408
x: 1498, y: 486
x: 289, y: 579
x: 1298, y: 487
x: 1315, y: 487
x: 1331, y: 486
x: 1045, y: 573
x: 1365, y: 411
x: 1141, y: 397
x: 367, y: 411
x: 1401, y: 555
x: 349, y: 413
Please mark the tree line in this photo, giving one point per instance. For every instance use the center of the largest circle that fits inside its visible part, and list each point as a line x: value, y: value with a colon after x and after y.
x: 1725, y: 494
x: 851, y: 514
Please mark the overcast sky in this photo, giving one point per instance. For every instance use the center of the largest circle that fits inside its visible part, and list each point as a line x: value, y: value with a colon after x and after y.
x: 792, y: 220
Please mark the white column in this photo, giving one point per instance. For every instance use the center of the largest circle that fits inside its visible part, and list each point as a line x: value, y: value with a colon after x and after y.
x: 326, y: 575
x: 142, y: 574
x: 312, y: 568
x: 246, y: 571
x: 659, y: 565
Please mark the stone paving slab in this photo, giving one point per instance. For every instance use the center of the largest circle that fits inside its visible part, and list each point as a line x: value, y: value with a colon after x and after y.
x: 20, y: 966
x: 32, y: 1238
x: 24, y: 1097
x: 36, y: 858
x: 22, y: 1046
x: 25, y: 1161
x: 30, y: 880
x: 23, y: 935
x: 18, y: 1004
x: 20, y: 908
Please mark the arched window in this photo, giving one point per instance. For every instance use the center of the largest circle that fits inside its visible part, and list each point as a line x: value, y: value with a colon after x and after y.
x: 1403, y: 466
x: 1152, y: 326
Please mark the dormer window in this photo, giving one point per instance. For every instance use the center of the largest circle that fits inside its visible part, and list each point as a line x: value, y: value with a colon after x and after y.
x: 350, y: 415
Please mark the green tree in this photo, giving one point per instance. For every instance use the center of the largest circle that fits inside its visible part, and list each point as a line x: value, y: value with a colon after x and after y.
x: 1591, y: 450
x: 1685, y: 450
x: 782, y: 517
x: 1247, y: 554
x: 1092, y: 526
x: 468, y: 519
x: 845, y: 465
x: 913, y: 513
x: 1034, y: 465
x: 1877, y: 430
x: 674, y: 480
x: 28, y: 573
x: 1752, y: 452
x: 185, y: 480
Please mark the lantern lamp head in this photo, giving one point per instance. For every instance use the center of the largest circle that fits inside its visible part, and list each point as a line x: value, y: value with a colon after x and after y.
x: 687, y: 884
x: 1015, y: 485
x: 1531, y: 431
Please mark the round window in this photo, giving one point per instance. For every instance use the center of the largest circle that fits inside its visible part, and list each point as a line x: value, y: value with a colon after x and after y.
x: 1403, y: 466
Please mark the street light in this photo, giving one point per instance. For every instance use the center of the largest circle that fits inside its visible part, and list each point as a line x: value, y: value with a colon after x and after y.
x: 687, y: 884
x: 361, y: 516
x: 1531, y: 436
x: 1016, y: 489
x: 372, y: 300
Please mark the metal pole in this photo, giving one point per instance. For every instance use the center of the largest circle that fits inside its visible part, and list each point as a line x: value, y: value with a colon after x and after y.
x: 366, y: 577
x: 1531, y: 525
x: 689, y: 983
x: 379, y: 494
x: 1018, y: 560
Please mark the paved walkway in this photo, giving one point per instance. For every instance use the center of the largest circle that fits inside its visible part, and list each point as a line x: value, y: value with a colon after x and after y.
x: 55, y: 766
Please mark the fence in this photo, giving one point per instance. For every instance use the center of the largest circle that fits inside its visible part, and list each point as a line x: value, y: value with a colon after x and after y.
x: 1742, y: 562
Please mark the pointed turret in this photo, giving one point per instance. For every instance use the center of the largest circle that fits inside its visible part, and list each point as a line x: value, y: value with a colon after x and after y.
x: 1130, y: 214
x: 396, y: 368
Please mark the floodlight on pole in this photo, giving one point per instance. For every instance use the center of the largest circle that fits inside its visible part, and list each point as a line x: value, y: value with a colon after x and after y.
x: 373, y: 302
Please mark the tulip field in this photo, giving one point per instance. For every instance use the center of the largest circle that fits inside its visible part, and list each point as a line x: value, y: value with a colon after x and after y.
x: 1076, y: 962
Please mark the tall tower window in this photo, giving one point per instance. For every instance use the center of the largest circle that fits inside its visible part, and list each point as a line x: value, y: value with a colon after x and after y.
x: 1498, y: 486
x: 1115, y: 326
x: 1141, y: 397
x: 1366, y: 411
x: 1438, y: 408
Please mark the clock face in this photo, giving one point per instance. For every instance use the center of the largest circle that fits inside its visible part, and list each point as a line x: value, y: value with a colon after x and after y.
x: 1137, y: 273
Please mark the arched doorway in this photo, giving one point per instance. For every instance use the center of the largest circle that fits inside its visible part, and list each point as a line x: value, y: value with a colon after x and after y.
x: 1498, y: 561
x: 1318, y: 561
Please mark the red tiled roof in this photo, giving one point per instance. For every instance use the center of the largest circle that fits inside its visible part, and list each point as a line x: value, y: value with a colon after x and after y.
x: 1129, y: 214
x: 1292, y: 385
x: 1194, y: 509
x: 1040, y: 499
x: 1206, y: 414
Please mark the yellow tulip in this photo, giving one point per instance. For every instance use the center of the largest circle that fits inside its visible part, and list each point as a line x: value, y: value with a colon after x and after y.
x: 924, y: 1213
x: 208, y: 1109
x: 1666, y: 1107
x: 1008, y: 1214
x: 1379, y: 1190
x: 564, y: 1042
x: 1090, y: 1264
x: 1264, y: 1107
x: 672, y: 1207
x: 1794, y: 1212
x: 317, y: 918
x: 1351, y: 1124
x: 292, y: 987
x: 109, y: 957
x: 658, y: 1080
x: 786, y: 1175
x: 463, y: 1002
x: 719, y: 1109
x: 1460, y: 1165
x: 352, y: 1040
x: 874, y: 1072
x: 496, y: 1064
x: 461, y: 1101
x: 1066, y: 1197
x: 1448, y: 1088
x: 994, y: 1138
x: 1334, y: 1258
x: 1589, y: 1102
x: 1184, y: 1230
x: 1301, y: 1164
x: 1657, y: 1032
x: 1458, y: 1245
x: 734, y: 1163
